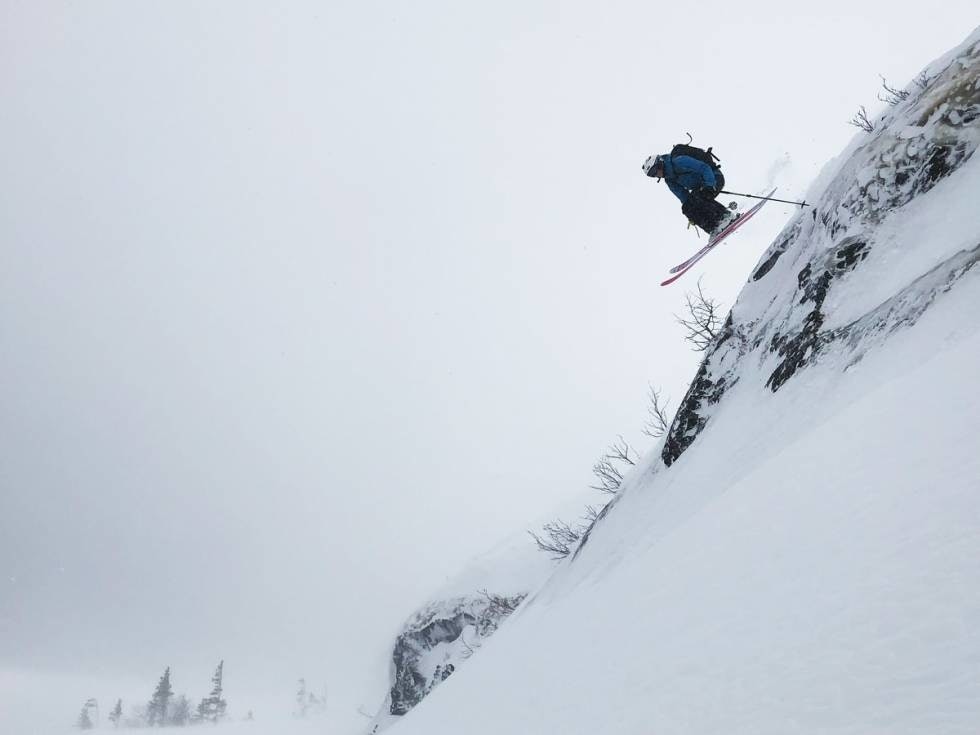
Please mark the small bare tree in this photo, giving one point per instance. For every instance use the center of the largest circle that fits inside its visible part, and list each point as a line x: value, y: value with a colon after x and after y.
x: 702, y: 320
x: 558, y: 538
x: 500, y: 606
x: 608, y: 475
x: 591, y: 515
x: 621, y: 451
x: 891, y: 95
x: 607, y: 468
x: 860, y: 120
x: 657, y: 422
x: 922, y: 81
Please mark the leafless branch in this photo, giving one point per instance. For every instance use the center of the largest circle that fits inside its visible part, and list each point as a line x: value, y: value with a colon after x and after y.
x: 501, y: 606
x: 922, y: 80
x: 657, y: 422
x: 702, y: 320
x: 860, y: 120
x: 621, y: 451
x: 892, y: 95
x: 606, y: 469
x: 558, y: 538
x: 609, y: 476
x: 591, y: 515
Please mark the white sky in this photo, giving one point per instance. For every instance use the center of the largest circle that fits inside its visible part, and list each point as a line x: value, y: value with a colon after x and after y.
x: 302, y: 304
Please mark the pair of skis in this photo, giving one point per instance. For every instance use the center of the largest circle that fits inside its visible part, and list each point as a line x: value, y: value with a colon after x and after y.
x: 679, y: 270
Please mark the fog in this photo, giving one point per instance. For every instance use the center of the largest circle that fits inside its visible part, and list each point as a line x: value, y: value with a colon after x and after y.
x: 303, y: 304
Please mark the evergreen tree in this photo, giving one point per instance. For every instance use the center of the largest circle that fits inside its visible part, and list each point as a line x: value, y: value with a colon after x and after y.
x: 212, y: 707
x: 116, y: 714
x: 84, y: 722
x: 308, y: 703
x: 201, y: 712
x: 302, y: 699
x: 181, y: 714
x: 314, y: 704
x: 156, y: 710
x: 93, y: 703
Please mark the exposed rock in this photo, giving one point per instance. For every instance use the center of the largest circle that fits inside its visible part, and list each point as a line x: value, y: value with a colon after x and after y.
x: 437, y: 639
x: 917, y: 144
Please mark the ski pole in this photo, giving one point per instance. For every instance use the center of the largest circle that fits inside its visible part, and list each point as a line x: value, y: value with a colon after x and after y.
x: 770, y: 199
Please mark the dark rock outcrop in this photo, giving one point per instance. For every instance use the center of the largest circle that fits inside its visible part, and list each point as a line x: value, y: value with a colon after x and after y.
x: 410, y: 684
x: 918, y: 143
x: 437, y: 639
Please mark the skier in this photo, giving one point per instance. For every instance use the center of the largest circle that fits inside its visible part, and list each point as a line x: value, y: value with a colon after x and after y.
x: 696, y: 184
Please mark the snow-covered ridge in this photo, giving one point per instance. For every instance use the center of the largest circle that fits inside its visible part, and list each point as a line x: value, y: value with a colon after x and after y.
x: 799, y: 556
x: 836, y: 284
x: 919, y: 142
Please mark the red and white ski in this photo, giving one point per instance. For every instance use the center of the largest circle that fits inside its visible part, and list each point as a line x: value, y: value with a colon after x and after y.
x: 679, y: 270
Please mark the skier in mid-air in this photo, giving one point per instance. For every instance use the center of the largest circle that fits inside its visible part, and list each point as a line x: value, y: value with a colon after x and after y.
x: 695, y: 183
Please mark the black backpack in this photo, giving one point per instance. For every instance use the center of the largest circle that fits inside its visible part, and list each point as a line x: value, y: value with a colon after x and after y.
x: 705, y: 156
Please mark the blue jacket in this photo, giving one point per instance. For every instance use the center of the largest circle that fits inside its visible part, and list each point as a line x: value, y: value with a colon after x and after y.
x: 683, y: 174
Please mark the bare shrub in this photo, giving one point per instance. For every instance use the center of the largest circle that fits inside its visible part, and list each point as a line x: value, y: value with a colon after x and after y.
x: 607, y: 468
x: 892, y: 95
x: 860, y: 120
x: 591, y: 515
x: 702, y: 319
x: 557, y: 539
x: 657, y: 422
x: 500, y: 606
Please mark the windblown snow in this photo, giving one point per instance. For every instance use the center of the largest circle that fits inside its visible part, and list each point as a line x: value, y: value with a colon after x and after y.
x: 800, y: 554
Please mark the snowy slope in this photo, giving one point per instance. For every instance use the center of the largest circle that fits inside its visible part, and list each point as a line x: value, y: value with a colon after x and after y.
x: 801, y: 553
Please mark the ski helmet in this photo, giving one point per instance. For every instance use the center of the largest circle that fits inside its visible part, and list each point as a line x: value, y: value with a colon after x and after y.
x: 650, y: 165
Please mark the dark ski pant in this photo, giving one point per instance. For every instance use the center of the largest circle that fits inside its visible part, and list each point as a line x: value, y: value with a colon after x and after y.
x: 704, y: 211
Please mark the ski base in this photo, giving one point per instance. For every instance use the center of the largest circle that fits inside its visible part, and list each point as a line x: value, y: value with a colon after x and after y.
x: 679, y: 270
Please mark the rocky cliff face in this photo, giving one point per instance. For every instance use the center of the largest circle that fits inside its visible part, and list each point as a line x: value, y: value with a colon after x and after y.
x: 442, y: 635
x: 437, y: 639
x: 434, y: 642
x: 920, y: 142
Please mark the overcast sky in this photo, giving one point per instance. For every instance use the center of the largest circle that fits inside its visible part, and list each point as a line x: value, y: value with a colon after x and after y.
x: 302, y: 304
